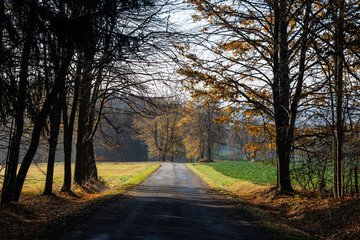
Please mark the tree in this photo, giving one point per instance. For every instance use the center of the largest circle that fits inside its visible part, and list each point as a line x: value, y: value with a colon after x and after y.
x: 61, y: 58
x: 161, y: 132
x: 337, y: 64
x: 26, y: 29
x: 258, y: 62
x: 200, y: 129
x: 60, y: 52
x: 338, y: 15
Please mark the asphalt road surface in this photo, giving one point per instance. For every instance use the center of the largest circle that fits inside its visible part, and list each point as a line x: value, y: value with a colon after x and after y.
x: 173, y: 203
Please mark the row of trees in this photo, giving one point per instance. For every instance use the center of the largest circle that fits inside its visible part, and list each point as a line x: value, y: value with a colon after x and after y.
x: 188, y: 130
x: 61, y: 63
x: 293, y: 65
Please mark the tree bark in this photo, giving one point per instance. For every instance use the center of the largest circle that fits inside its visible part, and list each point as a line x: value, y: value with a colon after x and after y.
x: 281, y: 96
x: 55, y: 119
x: 55, y: 114
x: 338, y: 77
x: 356, y: 180
x: 202, y: 149
x: 81, y: 162
x: 209, y: 128
x: 68, y: 134
x: 84, y: 142
x: 93, y: 175
x: 34, y: 143
x: 208, y: 152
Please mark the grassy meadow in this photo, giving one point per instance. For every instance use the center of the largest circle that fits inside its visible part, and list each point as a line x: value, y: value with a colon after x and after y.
x: 255, y: 172
x: 303, y: 176
x: 113, y: 174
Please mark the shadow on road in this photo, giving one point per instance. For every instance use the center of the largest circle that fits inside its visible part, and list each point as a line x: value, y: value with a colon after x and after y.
x: 173, y: 203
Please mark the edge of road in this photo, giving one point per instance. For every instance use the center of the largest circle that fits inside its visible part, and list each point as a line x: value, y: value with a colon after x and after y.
x: 276, y: 228
x: 56, y: 228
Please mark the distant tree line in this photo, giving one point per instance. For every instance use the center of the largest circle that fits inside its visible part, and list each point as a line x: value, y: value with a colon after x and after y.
x: 182, y: 129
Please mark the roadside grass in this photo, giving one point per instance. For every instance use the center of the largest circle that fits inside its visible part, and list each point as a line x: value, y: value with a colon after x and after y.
x: 113, y: 174
x: 243, y: 192
x: 255, y: 172
x: 219, y: 181
x: 317, y: 215
x: 38, y: 216
x: 265, y: 173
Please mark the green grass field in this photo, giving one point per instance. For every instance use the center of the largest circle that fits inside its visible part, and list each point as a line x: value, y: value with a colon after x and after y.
x: 265, y: 174
x: 241, y: 184
x: 248, y: 171
x: 113, y: 174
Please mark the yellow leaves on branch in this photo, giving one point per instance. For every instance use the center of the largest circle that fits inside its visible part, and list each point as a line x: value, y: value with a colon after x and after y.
x: 196, y: 18
x: 237, y: 47
x: 264, y: 142
x: 259, y: 149
x: 195, y: 77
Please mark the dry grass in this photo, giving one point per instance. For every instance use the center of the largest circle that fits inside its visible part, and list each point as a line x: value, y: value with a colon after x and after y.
x: 219, y: 181
x: 39, y: 216
x: 112, y: 173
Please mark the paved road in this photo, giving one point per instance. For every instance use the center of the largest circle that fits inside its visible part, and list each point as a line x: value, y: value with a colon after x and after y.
x: 173, y: 203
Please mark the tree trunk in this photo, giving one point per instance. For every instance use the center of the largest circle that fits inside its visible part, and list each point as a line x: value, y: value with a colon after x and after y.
x: 55, y: 115
x: 67, y: 158
x: 202, y: 149
x: 208, y: 152
x: 91, y: 169
x: 91, y: 161
x: 34, y: 143
x: 281, y: 96
x: 55, y: 119
x: 10, y: 178
x: 81, y: 162
x: 68, y: 136
x: 83, y: 143
x: 356, y: 179
x: 338, y: 77
x: 2, y: 25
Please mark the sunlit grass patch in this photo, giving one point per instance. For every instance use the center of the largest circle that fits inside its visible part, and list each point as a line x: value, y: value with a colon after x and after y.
x: 117, y: 173
x: 134, y: 179
x: 248, y: 171
x: 245, y: 193
x: 217, y: 180
x: 215, y: 176
x: 113, y: 174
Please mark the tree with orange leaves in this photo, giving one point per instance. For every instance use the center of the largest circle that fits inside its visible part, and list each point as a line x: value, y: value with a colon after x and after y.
x: 257, y: 57
x: 202, y: 129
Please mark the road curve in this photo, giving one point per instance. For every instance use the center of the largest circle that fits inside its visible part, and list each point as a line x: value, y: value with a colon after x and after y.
x: 173, y: 203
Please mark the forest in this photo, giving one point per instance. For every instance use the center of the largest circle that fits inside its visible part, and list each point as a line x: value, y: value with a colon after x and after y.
x: 273, y: 83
